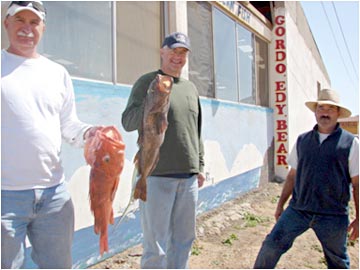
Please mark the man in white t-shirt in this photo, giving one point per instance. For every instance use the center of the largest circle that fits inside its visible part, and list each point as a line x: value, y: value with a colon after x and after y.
x: 37, y: 112
x: 324, y: 164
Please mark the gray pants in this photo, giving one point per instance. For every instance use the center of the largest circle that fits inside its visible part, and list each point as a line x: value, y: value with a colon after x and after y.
x: 168, y: 221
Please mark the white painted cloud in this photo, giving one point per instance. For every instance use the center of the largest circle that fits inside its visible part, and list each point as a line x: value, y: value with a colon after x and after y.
x: 247, y: 159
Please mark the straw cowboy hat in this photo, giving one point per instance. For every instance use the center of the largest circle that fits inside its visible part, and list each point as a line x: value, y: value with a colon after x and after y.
x: 329, y: 97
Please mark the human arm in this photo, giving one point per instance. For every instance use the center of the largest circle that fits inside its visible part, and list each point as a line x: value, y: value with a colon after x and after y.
x: 286, y: 192
x: 354, y: 174
x: 354, y: 225
x: 133, y: 113
x: 72, y: 129
x: 201, y: 175
x: 90, y: 132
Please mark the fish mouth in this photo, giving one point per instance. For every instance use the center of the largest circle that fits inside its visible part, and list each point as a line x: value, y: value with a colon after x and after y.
x: 165, y: 83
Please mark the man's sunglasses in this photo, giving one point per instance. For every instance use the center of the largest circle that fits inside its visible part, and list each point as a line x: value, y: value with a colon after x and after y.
x: 36, y: 5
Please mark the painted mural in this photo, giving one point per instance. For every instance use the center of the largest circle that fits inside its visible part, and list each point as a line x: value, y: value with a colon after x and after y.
x: 236, y: 137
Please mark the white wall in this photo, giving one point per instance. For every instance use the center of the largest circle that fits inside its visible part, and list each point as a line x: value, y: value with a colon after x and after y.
x: 296, y: 65
x: 304, y: 73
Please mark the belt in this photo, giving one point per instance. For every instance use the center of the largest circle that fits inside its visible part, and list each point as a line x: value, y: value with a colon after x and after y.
x: 177, y: 175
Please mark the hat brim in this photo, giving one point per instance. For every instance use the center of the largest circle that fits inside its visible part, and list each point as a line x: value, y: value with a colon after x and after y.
x: 16, y: 9
x: 179, y: 45
x: 344, y: 112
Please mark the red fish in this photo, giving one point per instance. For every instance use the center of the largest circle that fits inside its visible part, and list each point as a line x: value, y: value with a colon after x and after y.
x: 152, y: 130
x: 104, y: 152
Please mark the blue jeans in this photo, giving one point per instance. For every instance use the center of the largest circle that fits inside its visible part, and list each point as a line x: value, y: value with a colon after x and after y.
x: 46, y: 216
x: 168, y: 221
x: 331, y: 230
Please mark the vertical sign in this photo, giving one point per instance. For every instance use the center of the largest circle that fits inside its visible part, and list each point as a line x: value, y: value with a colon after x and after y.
x: 280, y: 93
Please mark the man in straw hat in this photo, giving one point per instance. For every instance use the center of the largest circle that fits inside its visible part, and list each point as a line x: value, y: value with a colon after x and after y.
x: 324, y: 162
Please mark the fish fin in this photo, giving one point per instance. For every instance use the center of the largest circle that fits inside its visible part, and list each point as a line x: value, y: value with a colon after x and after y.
x: 96, y: 228
x: 140, y: 138
x: 92, y: 190
x: 155, y: 163
x: 137, y: 161
x: 161, y: 123
x: 136, y: 158
x: 113, y: 191
x: 104, y: 246
x: 111, y: 221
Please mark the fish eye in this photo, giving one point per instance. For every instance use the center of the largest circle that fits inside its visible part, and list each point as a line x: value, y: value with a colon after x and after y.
x: 106, y: 158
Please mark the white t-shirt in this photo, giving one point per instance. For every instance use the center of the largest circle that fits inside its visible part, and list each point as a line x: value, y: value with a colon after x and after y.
x: 37, y: 111
x: 353, y: 155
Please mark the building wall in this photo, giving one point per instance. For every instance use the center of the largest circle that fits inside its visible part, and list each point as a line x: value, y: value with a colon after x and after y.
x: 236, y: 137
x: 306, y: 71
x: 296, y: 73
x: 352, y: 127
x: 351, y: 124
x: 239, y: 139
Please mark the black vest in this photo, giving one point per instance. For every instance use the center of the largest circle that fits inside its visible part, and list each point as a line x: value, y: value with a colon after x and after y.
x: 322, y: 177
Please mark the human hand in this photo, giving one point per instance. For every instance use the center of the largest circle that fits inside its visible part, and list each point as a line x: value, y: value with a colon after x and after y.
x: 279, y: 210
x: 201, y: 179
x: 353, y: 229
x: 90, y: 132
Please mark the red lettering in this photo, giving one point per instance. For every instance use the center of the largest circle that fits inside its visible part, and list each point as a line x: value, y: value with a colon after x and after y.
x: 280, y: 92
x: 282, y: 136
x: 281, y: 160
x: 280, y: 97
x: 280, y: 31
x: 280, y: 107
x: 280, y: 86
x: 280, y: 44
x: 282, y: 149
x: 281, y: 125
x: 280, y: 56
x: 279, y: 20
x: 280, y: 68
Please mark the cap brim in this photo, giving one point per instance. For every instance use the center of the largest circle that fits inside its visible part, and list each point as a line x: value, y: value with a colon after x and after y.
x: 344, y: 112
x: 179, y: 45
x: 16, y: 9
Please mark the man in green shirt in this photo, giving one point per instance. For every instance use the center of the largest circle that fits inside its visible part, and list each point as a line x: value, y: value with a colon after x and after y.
x: 169, y: 213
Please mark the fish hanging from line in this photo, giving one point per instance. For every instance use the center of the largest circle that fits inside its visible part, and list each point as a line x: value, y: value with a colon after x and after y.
x: 104, y: 152
x: 152, y: 130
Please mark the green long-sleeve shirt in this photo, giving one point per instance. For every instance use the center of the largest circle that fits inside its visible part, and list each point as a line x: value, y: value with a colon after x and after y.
x: 182, y: 151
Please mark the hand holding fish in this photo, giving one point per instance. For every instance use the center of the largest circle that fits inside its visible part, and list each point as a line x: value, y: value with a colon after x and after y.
x: 90, y: 132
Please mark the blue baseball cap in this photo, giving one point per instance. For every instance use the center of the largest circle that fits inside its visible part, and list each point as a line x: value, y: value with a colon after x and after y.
x: 177, y: 40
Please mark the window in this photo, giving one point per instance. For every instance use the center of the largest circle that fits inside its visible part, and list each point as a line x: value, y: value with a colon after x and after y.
x: 138, y: 39
x: 262, y: 78
x: 227, y: 61
x: 225, y: 57
x: 4, y: 38
x: 246, y: 72
x: 201, y: 55
x: 118, y: 41
x: 78, y: 36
